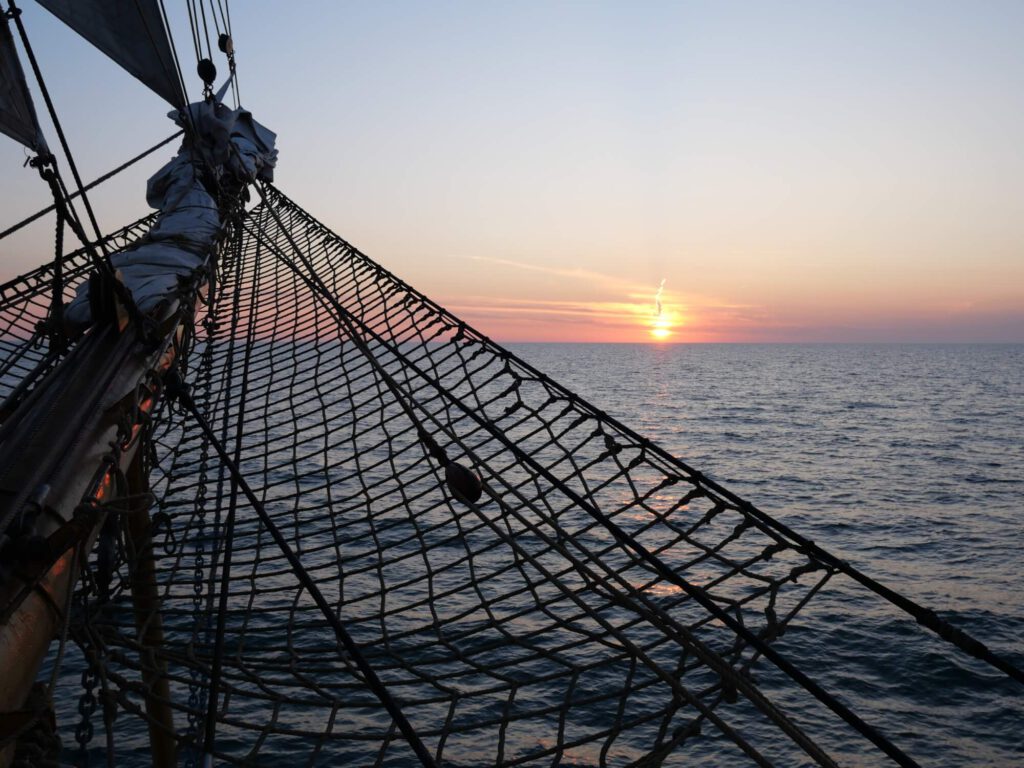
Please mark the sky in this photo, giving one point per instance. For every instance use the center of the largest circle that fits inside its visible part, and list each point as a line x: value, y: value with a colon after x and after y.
x: 785, y: 171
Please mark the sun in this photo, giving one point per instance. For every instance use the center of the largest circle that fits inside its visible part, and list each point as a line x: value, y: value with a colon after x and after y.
x: 661, y: 329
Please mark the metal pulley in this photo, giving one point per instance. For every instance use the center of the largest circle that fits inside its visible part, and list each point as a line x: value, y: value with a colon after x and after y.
x: 207, y: 72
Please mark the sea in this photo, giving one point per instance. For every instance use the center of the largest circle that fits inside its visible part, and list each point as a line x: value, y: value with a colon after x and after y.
x: 905, y: 460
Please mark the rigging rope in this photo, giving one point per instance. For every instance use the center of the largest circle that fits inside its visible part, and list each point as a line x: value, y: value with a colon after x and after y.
x: 225, y: 9
x: 177, y: 390
x: 206, y: 30
x: 91, y: 185
x: 225, y: 42
x: 16, y: 14
x: 196, y: 44
x: 56, y: 316
x: 227, y: 537
x: 176, y: 60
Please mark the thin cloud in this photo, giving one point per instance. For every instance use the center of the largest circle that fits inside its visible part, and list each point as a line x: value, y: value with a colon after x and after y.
x: 585, y: 310
x: 574, y: 272
x: 624, y: 311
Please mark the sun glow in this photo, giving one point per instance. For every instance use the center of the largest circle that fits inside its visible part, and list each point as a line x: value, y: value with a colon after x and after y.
x: 615, y: 311
x: 661, y: 329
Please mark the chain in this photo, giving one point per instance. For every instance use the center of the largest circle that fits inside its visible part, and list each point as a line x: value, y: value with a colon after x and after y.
x: 197, y: 691
x: 86, y: 706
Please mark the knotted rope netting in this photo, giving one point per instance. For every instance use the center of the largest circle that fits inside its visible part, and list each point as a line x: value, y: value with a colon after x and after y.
x: 601, y: 604
x: 25, y: 358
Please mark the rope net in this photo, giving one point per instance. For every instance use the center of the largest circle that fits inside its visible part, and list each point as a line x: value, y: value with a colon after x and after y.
x: 600, y: 604
x: 25, y: 358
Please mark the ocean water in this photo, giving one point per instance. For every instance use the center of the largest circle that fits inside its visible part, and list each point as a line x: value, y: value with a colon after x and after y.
x: 905, y: 460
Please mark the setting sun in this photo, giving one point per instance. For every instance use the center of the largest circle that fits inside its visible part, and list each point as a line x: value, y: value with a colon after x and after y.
x: 661, y: 330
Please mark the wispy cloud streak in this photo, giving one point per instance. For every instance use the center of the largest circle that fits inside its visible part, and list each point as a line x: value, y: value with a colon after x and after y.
x: 610, y: 281
x: 621, y: 312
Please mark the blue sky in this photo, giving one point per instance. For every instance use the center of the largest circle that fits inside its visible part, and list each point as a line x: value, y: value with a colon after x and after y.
x: 794, y: 170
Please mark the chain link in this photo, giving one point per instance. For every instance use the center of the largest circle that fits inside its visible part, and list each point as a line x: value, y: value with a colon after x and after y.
x: 197, y: 691
x: 86, y: 708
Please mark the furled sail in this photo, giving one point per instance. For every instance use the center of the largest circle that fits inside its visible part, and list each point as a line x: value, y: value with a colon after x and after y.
x: 132, y: 34
x: 17, y: 115
x: 189, y: 223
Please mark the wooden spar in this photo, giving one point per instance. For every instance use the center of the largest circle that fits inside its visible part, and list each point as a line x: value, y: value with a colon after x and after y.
x: 71, y: 439
x: 148, y: 624
x: 61, y: 453
x: 34, y: 439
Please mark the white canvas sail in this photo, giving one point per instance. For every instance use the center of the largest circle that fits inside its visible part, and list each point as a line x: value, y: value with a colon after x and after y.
x: 17, y: 115
x: 132, y: 33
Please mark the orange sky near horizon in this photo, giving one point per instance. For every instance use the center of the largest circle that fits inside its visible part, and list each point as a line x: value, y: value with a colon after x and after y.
x: 634, y: 320
x: 808, y: 171
x: 576, y: 304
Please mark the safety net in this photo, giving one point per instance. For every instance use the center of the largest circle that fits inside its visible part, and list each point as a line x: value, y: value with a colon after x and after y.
x: 25, y: 356
x: 379, y: 538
